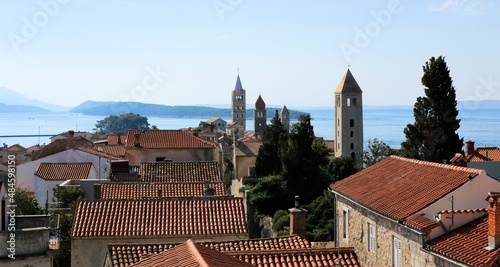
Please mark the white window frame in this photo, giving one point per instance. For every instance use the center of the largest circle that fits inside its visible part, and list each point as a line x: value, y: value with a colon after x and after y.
x: 371, y: 237
x: 396, y: 253
x: 345, y: 223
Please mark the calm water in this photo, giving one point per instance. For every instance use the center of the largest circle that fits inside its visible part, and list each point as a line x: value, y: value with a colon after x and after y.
x: 383, y: 123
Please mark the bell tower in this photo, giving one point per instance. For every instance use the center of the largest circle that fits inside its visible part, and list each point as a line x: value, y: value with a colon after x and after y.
x: 349, y: 119
x: 259, y: 117
x: 238, y: 105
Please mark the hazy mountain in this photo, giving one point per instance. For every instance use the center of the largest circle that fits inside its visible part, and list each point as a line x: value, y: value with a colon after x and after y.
x: 11, y: 97
x: 116, y: 108
x: 20, y: 108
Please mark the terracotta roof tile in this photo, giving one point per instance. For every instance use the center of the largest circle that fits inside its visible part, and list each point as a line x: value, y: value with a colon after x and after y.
x: 126, y: 254
x: 60, y: 145
x: 466, y: 244
x: 98, y: 153
x: 399, y: 187
x: 166, y: 139
x: 63, y: 171
x: 116, y: 139
x: 148, y: 190
x: 196, y: 171
x: 421, y: 223
x: 463, y: 211
x: 484, y: 154
x: 115, y: 150
x: 196, y: 216
x: 16, y: 148
x: 322, y: 257
x: 191, y: 254
x: 125, y: 177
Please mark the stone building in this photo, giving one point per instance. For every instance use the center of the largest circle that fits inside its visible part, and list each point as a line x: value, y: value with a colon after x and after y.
x: 285, y: 119
x: 389, y: 210
x: 259, y: 117
x: 238, y: 105
x: 349, y: 119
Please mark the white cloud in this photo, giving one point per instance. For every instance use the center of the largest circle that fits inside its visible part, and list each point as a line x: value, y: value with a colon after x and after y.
x: 467, y: 7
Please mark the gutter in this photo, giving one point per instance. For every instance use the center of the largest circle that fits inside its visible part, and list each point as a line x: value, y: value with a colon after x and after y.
x: 445, y: 258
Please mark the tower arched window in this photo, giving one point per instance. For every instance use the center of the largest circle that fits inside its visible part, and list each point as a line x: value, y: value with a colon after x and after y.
x: 352, y: 145
x: 348, y: 101
x: 351, y: 133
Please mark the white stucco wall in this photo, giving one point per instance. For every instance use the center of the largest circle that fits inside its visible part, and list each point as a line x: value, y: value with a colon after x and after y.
x: 26, y: 171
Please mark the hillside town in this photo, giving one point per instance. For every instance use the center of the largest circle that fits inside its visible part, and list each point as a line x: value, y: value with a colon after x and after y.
x: 180, y: 197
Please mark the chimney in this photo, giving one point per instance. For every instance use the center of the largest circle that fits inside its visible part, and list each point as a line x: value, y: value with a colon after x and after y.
x: 297, y: 219
x: 469, y: 148
x: 119, y: 142
x: 493, y: 220
x: 160, y: 193
x: 71, y: 133
x: 209, y: 191
x: 97, y: 191
x: 137, y: 142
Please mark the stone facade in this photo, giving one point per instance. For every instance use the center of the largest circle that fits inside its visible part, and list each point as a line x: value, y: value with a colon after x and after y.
x: 385, y: 231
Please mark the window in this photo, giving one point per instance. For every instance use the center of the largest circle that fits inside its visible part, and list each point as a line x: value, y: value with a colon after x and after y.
x: 337, y: 101
x: 353, y: 155
x: 345, y: 224
x: 338, y: 122
x: 348, y: 102
x: 351, y: 122
x: 352, y: 134
x: 371, y: 237
x: 160, y: 159
x: 352, y: 145
x: 354, y: 101
x: 396, y: 252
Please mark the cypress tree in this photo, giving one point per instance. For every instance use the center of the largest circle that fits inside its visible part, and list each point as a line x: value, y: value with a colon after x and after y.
x: 433, y: 136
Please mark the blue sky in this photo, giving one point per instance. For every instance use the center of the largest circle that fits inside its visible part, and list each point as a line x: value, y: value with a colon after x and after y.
x: 291, y: 52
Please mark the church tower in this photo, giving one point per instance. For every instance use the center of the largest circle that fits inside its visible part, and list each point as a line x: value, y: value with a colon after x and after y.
x: 285, y: 119
x: 259, y: 117
x: 349, y: 119
x: 238, y: 105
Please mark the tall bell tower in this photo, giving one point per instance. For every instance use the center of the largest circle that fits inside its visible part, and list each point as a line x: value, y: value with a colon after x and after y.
x: 349, y: 119
x: 238, y: 104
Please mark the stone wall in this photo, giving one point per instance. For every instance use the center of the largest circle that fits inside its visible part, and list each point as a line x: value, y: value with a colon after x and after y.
x: 385, y: 231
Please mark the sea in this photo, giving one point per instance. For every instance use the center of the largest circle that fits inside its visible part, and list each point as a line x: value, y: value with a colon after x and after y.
x: 385, y: 123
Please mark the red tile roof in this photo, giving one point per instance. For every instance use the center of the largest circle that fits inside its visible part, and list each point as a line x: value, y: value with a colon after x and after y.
x: 115, y: 150
x: 196, y: 171
x: 147, y: 190
x: 467, y: 244
x: 63, y: 171
x: 60, y: 145
x: 292, y: 249
x: 191, y: 254
x: 16, y: 148
x: 98, y: 153
x: 249, y: 148
x: 166, y: 139
x: 322, y: 257
x: 125, y: 177
x: 261, y: 244
x: 399, y: 187
x: 421, y: 223
x: 484, y: 154
x: 197, y: 216
x: 116, y: 139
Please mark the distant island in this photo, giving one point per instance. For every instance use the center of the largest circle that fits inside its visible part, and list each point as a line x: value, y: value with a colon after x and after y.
x: 4, y: 108
x: 106, y: 108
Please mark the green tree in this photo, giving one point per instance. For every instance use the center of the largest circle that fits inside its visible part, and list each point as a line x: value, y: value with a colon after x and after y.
x: 342, y: 167
x: 433, y: 137
x: 114, y: 124
x: 320, y: 222
x: 68, y: 198
x: 281, y: 223
x: 377, y: 151
x: 268, y: 161
x: 304, y: 161
x: 270, y: 194
x: 27, y: 202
